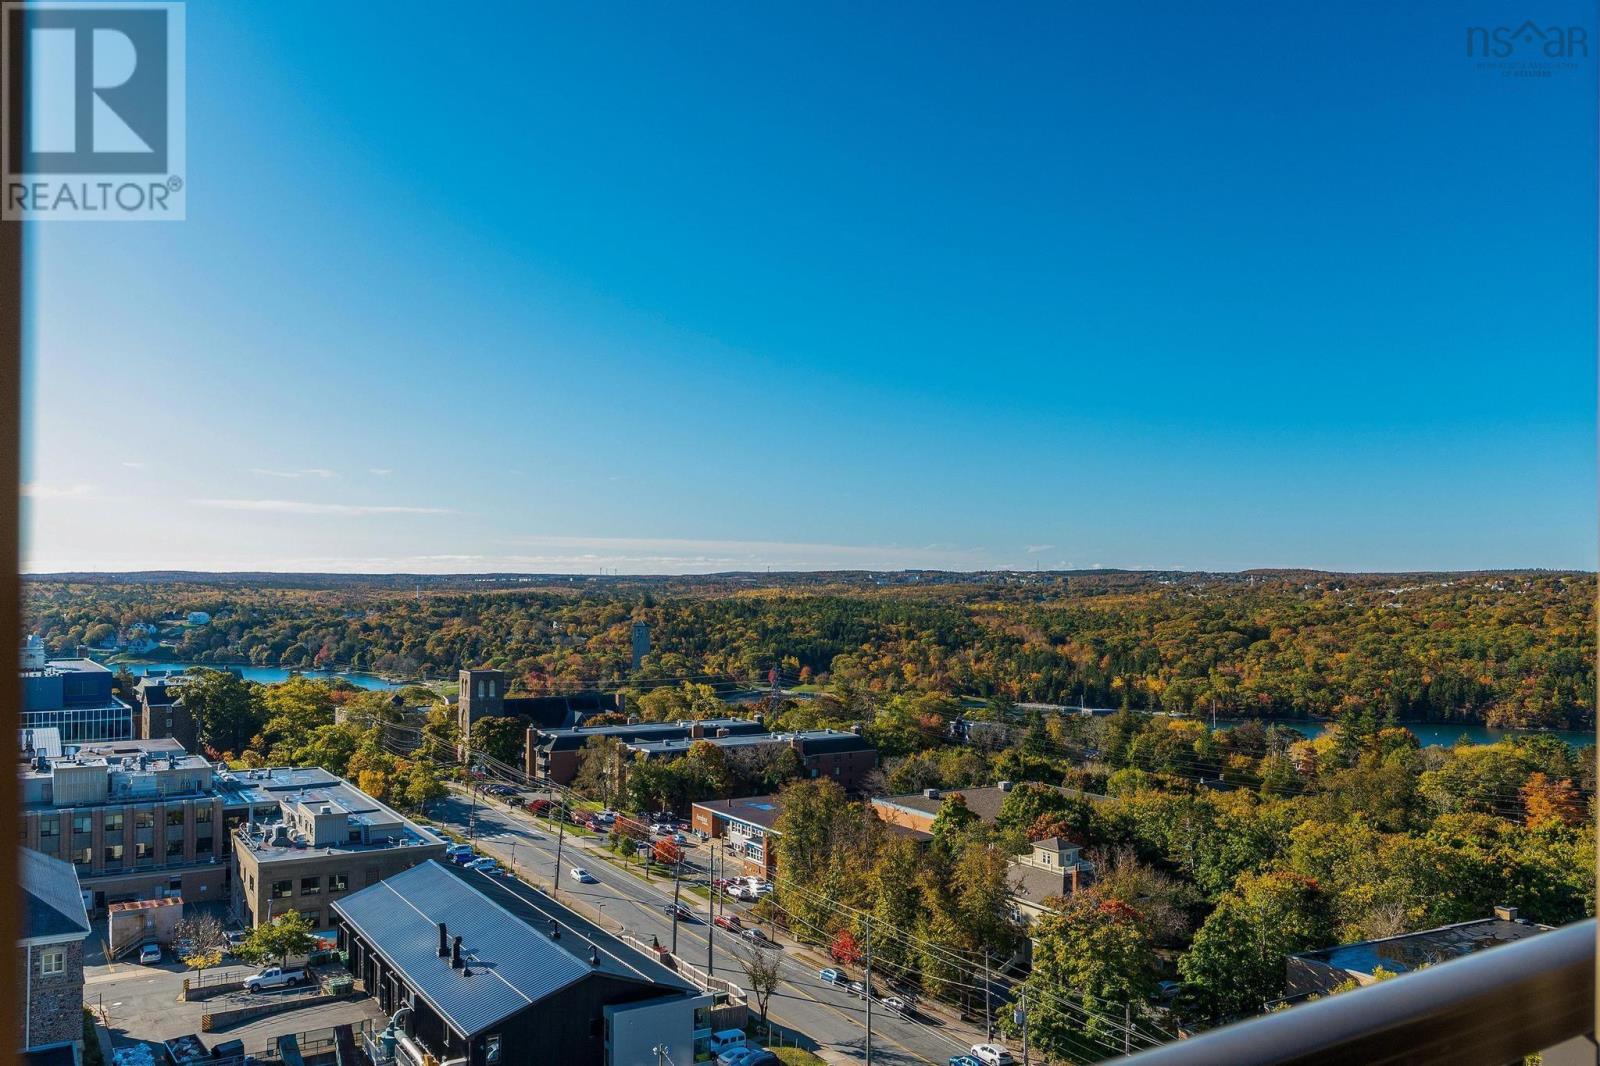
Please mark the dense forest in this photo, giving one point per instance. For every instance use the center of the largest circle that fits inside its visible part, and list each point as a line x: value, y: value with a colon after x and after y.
x: 1503, y: 648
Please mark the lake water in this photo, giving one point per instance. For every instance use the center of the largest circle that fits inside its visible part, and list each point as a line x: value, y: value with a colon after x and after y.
x: 1430, y: 734
x: 266, y: 675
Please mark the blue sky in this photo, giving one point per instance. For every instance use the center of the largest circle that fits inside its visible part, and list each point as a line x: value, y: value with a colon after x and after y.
x: 665, y: 288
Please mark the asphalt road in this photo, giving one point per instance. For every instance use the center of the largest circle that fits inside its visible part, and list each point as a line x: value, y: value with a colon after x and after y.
x: 828, y: 1015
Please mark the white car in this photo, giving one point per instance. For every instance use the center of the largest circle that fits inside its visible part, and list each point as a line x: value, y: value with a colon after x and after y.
x: 487, y: 866
x: 583, y: 877
x: 150, y: 954
x: 992, y: 1055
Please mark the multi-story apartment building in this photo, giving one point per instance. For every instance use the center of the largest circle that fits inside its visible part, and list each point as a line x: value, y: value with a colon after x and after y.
x: 553, y: 753
x: 73, y: 696
x: 844, y: 757
x: 136, y: 819
x: 319, y: 840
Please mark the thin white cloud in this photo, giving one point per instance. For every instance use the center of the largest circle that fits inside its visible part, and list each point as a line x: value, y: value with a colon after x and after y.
x: 307, y: 507
x: 378, y: 471
x: 132, y: 465
x: 57, y: 492
x: 314, y: 471
x: 1035, y: 549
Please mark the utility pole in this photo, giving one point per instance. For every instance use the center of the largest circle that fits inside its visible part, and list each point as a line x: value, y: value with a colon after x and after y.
x: 1022, y: 1018
x: 561, y: 833
x: 866, y: 987
x: 711, y: 925
x: 1127, y: 1013
x: 677, y: 867
x: 988, y: 1013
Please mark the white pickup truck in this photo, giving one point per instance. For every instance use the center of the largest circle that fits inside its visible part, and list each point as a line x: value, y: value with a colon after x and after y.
x: 275, y: 977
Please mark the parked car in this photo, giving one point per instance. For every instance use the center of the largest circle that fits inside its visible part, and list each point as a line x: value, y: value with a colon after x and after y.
x: 830, y: 976
x: 737, y: 1056
x: 484, y: 865
x: 460, y: 854
x: 276, y: 977
x: 730, y: 922
x: 235, y: 941
x: 992, y: 1055
x: 725, y: 1040
x: 896, y: 1005
x: 741, y: 892
x: 150, y: 954
x: 582, y: 876
x: 756, y: 936
x: 856, y: 988
x: 762, y: 1058
x: 539, y: 806
x: 678, y: 913
x: 964, y: 1060
x: 680, y: 839
x: 661, y: 829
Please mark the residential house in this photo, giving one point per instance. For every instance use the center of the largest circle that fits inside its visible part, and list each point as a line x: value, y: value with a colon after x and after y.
x: 54, y: 927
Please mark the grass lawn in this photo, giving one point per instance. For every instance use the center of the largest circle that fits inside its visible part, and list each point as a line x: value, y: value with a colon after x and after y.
x: 794, y: 1056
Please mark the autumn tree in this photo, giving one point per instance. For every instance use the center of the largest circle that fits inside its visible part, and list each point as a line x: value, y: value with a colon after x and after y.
x: 1238, y: 959
x: 1550, y: 802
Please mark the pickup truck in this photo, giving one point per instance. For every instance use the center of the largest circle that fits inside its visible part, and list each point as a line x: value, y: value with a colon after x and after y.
x: 275, y: 977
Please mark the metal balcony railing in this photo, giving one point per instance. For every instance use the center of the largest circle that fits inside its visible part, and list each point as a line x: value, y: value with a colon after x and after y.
x: 1487, y: 1009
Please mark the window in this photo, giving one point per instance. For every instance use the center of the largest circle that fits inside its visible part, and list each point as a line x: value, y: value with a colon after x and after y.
x: 175, y: 817
x: 82, y: 823
x: 49, y: 828
x: 175, y: 849
x: 202, y: 815
x: 53, y: 960
x: 338, y: 882
x: 282, y: 889
x: 113, y: 822
x: 144, y: 819
x: 310, y: 886
x: 82, y: 856
x: 202, y: 846
x: 113, y: 854
x: 143, y: 851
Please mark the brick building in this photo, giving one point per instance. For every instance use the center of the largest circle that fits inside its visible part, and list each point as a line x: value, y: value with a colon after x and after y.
x: 553, y: 753
x: 320, y: 840
x: 50, y: 953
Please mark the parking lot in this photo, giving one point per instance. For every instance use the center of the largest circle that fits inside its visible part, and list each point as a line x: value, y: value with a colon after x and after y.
x: 141, y: 1004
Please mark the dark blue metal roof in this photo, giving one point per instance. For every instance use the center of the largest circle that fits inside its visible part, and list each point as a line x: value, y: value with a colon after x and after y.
x: 52, y: 899
x: 512, y: 965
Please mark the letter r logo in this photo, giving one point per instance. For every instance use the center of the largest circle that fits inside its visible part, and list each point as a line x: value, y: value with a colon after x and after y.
x: 97, y: 90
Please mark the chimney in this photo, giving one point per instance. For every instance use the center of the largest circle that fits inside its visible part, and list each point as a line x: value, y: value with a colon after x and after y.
x: 444, y: 941
x: 857, y: 729
x: 696, y: 730
x: 555, y: 929
x: 1506, y: 914
x: 455, y: 954
x: 594, y: 956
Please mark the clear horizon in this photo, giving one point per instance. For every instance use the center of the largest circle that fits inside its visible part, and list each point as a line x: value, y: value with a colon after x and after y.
x: 1152, y: 288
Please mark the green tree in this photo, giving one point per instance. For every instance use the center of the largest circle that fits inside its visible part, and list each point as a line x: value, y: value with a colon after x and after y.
x: 1239, y: 956
x: 287, y: 935
x: 227, y: 710
x: 1095, y: 949
x: 502, y: 738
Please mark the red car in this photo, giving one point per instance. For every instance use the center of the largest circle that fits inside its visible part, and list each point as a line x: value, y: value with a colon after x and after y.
x: 730, y: 922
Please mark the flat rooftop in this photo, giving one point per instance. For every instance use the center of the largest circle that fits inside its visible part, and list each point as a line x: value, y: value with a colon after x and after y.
x: 813, y: 740
x: 316, y: 788
x: 1411, y: 951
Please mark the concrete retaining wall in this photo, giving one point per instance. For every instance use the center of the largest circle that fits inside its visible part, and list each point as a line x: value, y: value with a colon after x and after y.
x: 210, y: 1023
